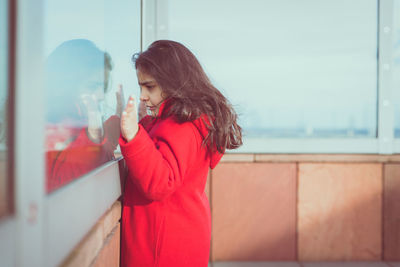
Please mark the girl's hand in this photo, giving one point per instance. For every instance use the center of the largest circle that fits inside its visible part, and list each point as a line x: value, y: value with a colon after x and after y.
x: 120, y: 100
x: 129, y: 122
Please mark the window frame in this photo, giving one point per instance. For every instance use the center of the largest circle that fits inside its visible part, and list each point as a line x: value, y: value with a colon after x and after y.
x: 8, y: 221
x: 156, y: 27
x: 41, y: 220
x: 38, y: 222
x: 8, y: 241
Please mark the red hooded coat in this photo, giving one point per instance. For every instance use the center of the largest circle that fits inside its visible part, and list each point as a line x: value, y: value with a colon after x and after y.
x: 166, y: 217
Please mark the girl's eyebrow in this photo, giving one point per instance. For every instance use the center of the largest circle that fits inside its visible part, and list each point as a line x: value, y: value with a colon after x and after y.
x: 146, y: 82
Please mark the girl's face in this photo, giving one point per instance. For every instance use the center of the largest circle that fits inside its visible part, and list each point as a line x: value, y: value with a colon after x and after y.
x: 150, y: 92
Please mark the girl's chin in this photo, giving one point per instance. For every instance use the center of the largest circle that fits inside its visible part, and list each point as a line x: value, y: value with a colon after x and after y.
x: 152, y: 112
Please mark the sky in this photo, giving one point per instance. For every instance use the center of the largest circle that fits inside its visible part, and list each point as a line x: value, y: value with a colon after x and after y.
x: 283, y: 64
x: 287, y: 64
x: 113, y: 26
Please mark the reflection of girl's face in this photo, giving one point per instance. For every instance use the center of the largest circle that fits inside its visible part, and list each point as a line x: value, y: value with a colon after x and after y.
x: 91, y: 96
x: 94, y: 86
x: 150, y: 92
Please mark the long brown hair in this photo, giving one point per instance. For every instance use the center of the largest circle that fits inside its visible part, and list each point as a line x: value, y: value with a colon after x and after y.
x: 190, y: 93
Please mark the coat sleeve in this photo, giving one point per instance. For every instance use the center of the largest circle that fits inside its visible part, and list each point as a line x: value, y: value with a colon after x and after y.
x: 158, y: 165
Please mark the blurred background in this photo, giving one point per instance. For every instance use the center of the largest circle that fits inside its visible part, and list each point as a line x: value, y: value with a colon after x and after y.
x: 316, y: 84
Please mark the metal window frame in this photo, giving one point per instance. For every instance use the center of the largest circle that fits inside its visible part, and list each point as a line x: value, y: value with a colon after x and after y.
x: 308, y: 146
x: 155, y: 21
x: 149, y: 22
x: 7, y: 242
x: 40, y: 220
x: 28, y: 159
x: 8, y: 222
x: 156, y: 27
x: 396, y: 142
x: 45, y: 228
x: 385, y: 104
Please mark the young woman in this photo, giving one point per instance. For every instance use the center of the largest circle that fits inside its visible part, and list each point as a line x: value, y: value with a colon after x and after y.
x: 166, y: 215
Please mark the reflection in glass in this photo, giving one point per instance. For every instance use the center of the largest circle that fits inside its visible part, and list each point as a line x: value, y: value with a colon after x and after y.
x: 291, y: 68
x: 78, y: 136
x: 396, y: 67
x: 122, y: 30
x: 4, y: 179
x: 88, y: 57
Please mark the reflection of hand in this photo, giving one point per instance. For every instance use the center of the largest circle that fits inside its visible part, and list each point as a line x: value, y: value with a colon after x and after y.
x: 142, y: 110
x: 95, y: 124
x: 120, y: 100
x: 112, y: 132
x: 129, y: 123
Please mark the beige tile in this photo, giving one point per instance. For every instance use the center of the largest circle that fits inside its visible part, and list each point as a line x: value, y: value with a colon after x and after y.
x: 391, y: 215
x: 111, y: 218
x: 345, y: 264
x: 109, y: 254
x: 3, y: 187
x: 87, y: 249
x: 256, y: 264
x: 339, y: 212
x: 232, y: 157
x: 208, y: 185
x: 90, y: 246
x: 254, y: 212
x: 326, y: 158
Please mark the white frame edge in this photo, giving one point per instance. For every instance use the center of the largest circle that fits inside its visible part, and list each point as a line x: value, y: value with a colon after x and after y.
x: 161, y: 14
x: 385, y: 104
x: 29, y: 133
x: 308, y: 146
x: 149, y: 31
x: 7, y: 244
x: 8, y: 223
x: 74, y: 209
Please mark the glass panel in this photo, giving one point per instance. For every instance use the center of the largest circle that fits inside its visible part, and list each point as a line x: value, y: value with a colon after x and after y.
x: 122, y: 40
x: 87, y: 58
x: 4, y: 179
x: 291, y: 68
x: 396, y: 69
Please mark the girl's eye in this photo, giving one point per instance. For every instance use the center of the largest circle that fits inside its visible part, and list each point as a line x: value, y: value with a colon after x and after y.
x: 150, y: 87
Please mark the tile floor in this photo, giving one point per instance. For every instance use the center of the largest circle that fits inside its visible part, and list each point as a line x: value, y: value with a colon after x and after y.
x: 305, y: 264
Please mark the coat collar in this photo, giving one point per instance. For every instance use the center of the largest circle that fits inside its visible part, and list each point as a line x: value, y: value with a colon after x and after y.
x: 162, y: 108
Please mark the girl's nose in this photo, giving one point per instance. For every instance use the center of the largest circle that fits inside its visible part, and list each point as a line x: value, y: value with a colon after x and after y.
x: 143, y: 97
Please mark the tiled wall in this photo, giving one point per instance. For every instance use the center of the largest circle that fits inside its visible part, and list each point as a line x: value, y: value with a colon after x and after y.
x: 339, y: 211
x: 288, y: 208
x: 3, y: 186
x: 100, y: 247
x: 253, y: 211
x: 391, y: 215
x: 305, y: 208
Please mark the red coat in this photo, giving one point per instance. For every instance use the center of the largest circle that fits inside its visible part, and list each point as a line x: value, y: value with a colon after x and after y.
x: 166, y: 217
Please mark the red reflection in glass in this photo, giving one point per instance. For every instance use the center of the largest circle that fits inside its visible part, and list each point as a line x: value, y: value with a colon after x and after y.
x: 78, y: 137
